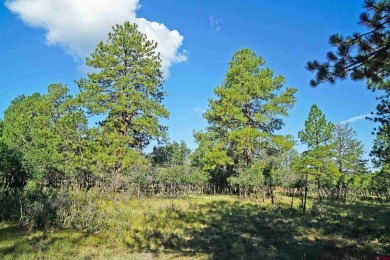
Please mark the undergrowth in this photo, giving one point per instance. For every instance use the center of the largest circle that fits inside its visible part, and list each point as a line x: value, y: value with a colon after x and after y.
x: 217, y: 227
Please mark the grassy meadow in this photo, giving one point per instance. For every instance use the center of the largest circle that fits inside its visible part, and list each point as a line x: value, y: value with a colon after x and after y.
x: 208, y: 227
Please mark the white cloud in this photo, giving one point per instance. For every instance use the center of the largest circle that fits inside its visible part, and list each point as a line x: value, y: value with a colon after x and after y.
x: 215, y: 23
x: 355, y: 118
x: 78, y: 25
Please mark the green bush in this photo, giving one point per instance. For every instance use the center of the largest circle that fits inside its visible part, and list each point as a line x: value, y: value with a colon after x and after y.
x: 9, y: 204
x: 38, y: 208
x: 81, y: 211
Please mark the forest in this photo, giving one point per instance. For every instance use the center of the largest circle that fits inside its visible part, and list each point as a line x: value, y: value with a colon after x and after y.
x: 95, y: 175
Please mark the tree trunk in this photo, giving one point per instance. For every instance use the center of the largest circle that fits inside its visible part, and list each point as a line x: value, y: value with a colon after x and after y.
x: 117, y: 173
x: 345, y: 194
x: 271, y: 193
x: 305, y: 196
x: 292, y: 199
x: 319, y: 188
x: 263, y: 196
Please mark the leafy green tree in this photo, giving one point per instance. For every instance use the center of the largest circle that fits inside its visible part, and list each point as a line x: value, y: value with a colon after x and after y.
x: 380, y: 184
x: 244, y: 116
x: 172, y: 163
x: 211, y: 156
x: 198, y: 177
x: 174, y: 153
x: 126, y: 90
x: 381, y: 151
x: 44, y: 131
x: 249, y: 178
x: 284, y: 164
x: 273, y: 164
x: 318, y: 159
x: 302, y: 165
x: 349, y: 152
x: 12, y: 174
x: 21, y: 124
x: 68, y: 127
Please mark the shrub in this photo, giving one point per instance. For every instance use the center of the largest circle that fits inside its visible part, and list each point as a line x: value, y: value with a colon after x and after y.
x: 38, y: 209
x: 82, y: 211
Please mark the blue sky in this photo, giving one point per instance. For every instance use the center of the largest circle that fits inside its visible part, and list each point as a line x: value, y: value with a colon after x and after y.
x: 203, y: 35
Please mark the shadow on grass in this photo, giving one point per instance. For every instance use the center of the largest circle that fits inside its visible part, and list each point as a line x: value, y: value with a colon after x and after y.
x: 14, y: 242
x: 223, y: 229
x: 239, y: 230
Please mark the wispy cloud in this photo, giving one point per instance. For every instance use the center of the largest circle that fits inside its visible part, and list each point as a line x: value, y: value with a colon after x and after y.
x: 354, y: 119
x: 216, y: 23
x: 199, y: 111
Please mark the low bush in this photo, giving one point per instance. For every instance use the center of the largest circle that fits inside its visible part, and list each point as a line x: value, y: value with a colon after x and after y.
x: 80, y: 210
x: 37, y: 209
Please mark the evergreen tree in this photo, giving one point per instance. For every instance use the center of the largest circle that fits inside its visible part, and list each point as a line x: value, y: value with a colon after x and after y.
x: 318, y: 159
x: 12, y: 174
x: 46, y: 132
x: 244, y: 116
x: 174, y: 153
x: 381, y: 149
x: 349, y: 152
x: 127, y: 90
x: 364, y: 56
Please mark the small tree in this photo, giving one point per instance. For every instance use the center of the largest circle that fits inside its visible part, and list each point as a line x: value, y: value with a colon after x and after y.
x: 317, y: 135
x: 285, y: 174
x: 174, y: 153
x: 172, y: 163
x: 349, y: 152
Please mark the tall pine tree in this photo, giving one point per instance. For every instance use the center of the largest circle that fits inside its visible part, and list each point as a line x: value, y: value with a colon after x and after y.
x: 244, y: 116
x: 126, y: 90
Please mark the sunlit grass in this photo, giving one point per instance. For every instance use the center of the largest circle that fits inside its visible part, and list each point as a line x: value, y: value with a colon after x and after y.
x: 202, y: 227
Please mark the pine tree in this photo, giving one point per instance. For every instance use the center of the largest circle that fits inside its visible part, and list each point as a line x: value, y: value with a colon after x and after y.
x: 127, y: 90
x: 244, y: 116
x: 175, y: 153
x: 318, y: 159
x: 349, y: 152
x: 364, y: 56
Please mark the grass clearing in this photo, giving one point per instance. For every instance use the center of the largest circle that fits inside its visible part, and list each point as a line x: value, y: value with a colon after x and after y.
x: 217, y: 227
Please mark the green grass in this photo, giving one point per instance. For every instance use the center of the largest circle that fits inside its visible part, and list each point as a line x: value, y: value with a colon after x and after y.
x: 217, y: 227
